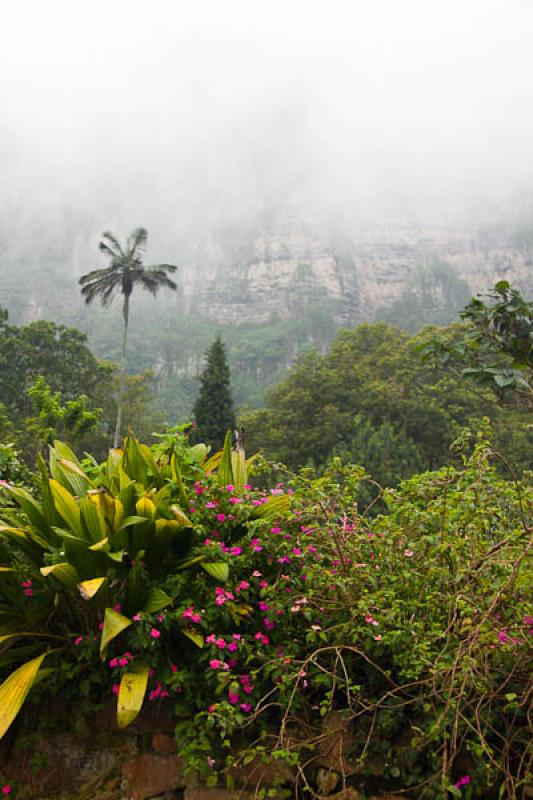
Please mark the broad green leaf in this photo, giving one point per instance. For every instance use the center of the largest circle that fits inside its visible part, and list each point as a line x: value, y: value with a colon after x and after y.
x: 67, y: 507
x: 156, y: 600
x: 225, y: 470
x: 114, y: 623
x: 148, y: 456
x: 89, y: 588
x: 199, y: 452
x: 65, y: 573
x: 131, y: 693
x: 176, y: 475
x: 181, y: 517
x: 93, y: 518
x: 195, y: 637
x: 14, y: 691
x: 29, y: 505
x: 240, y: 474
x: 218, y: 569
x: 274, y: 506
x: 212, y: 463
x: 129, y: 521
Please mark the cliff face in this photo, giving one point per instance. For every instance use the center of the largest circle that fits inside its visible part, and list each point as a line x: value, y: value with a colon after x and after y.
x: 282, y: 274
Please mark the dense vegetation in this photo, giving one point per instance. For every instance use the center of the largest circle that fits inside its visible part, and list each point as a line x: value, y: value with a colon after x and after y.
x: 377, y: 399
x: 264, y: 617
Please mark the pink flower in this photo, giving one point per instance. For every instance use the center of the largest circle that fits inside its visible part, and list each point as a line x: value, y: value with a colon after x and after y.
x: 236, y: 636
x: 233, y: 697
x: 263, y: 606
x: 296, y: 551
x: 503, y: 637
x: 197, y: 488
x: 136, y: 618
x: 220, y: 643
x: 284, y: 560
x: 275, y: 530
x: 408, y: 552
x: 263, y: 584
x: 256, y: 574
x: 78, y: 640
x: 378, y: 638
x: 247, y: 486
x: 28, y: 592
x: 269, y: 625
x: 246, y: 707
x: 191, y: 614
x: 117, y: 608
x: 464, y: 781
x: 220, y: 517
x: 215, y: 663
x: 116, y: 689
x: 26, y: 584
x: 243, y: 586
x: 212, y: 708
x: 6, y: 789
x: 260, y: 637
x: 230, y: 487
x: 173, y: 668
x: 235, y: 500
x: 235, y: 551
x: 155, y: 634
x: 210, y: 504
x: 232, y: 647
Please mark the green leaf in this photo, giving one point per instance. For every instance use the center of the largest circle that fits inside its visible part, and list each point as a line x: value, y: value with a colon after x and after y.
x: 193, y: 636
x: 14, y: 691
x: 240, y: 473
x: 156, y: 600
x: 65, y: 573
x: 218, y: 569
x: 225, y: 470
x: 131, y: 693
x: 114, y: 623
x: 67, y: 507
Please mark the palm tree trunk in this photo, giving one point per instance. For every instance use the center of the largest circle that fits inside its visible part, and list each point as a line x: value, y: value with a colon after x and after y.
x: 120, y: 398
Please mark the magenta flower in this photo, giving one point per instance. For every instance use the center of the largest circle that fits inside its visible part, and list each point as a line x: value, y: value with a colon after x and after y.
x: 275, y: 530
x: 78, y: 640
x: 230, y: 487
x: 136, y: 618
x: 246, y: 707
x: 210, y: 504
x: 464, y: 781
x: 261, y: 638
x: 243, y: 586
x: 215, y: 663
x: 232, y: 647
x: 155, y: 634
x: 235, y: 551
x: 235, y: 500
x: 408, y: 552
x: 116, y: 689
x: 220, y: 517
x: 269, y: 624
x: 233, y: 697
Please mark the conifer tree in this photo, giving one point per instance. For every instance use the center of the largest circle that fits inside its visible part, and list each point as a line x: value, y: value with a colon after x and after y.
x: 213, y: 408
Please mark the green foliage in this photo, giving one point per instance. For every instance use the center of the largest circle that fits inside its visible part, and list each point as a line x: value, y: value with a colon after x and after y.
x: 57, y: 363
x: 268, y: 619
x: 377, y: 373
x: 496, y: 349
x: 213, y: 408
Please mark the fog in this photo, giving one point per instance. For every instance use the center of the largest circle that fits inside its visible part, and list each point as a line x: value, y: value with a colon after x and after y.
x: 196, y: 118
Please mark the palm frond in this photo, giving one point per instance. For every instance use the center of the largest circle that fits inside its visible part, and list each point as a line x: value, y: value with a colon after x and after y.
x: 111, y: 245
x: 137, y: 240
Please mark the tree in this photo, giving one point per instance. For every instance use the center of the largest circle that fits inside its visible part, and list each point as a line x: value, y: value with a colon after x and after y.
x: 213, y: 409
x: 125, y: 272
x: 495, y: 349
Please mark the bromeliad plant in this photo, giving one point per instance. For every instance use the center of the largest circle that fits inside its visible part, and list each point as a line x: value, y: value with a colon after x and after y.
x: 93, y: 551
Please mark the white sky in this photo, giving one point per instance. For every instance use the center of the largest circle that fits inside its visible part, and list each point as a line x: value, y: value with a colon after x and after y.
x: 148, y: 112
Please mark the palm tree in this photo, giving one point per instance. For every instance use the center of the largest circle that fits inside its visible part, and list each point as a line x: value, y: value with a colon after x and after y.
x: 125, y: 271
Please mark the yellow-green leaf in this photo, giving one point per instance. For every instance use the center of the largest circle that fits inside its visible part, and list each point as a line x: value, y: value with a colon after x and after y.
x: 14, y: 691
x: 240, y: 474
x: 64, y: 572
x: 191, y: 634
x: 67, y: 507
x: 218, y: 569
x: 131, y: 693
x: 114, y: 623
x: 181, y: 517
x: 156, y: 600
x: 89, y: 588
